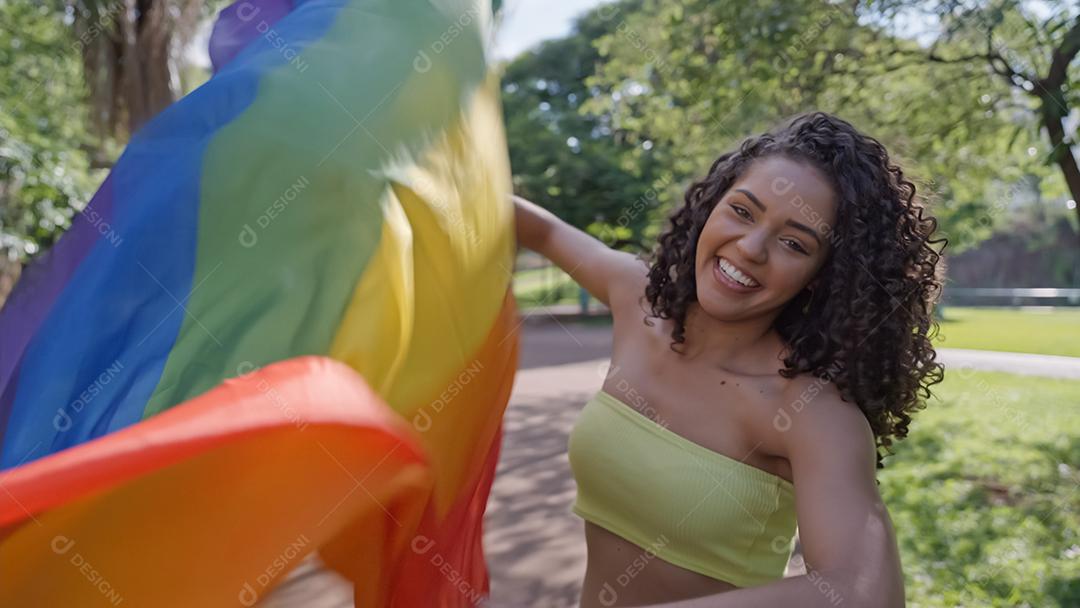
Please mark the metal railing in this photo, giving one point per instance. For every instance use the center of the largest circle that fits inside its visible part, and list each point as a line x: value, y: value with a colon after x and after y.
x: 1015, y: 296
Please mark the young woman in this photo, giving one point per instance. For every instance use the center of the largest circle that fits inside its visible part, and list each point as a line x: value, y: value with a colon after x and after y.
x: 764, y: 359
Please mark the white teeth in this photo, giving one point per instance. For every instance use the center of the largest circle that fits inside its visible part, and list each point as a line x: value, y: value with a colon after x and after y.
x: 735, y: 275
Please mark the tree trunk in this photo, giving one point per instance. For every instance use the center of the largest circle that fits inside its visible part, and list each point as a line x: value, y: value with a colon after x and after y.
x: 1062, y: 150
x: 131, y: 79
x: 129, y: 50
x: 1055, y: 108
x: 155, y: 70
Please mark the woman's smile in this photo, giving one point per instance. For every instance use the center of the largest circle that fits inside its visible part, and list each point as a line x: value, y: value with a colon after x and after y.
x: 731, y: 277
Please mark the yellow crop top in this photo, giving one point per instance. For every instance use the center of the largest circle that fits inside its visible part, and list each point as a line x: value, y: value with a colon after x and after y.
x: 685, y: 503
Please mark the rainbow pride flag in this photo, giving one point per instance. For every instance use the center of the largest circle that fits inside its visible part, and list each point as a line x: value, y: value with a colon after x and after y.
x: 282, y: 325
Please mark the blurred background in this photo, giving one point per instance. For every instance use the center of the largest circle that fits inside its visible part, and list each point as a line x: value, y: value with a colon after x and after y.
x: 611, y: 109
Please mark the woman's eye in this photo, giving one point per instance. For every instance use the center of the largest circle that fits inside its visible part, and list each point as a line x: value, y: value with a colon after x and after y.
x: 742, y: 212
x: 796, y: 246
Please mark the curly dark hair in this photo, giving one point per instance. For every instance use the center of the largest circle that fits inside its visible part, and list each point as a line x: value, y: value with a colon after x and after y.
x: 868, y: 321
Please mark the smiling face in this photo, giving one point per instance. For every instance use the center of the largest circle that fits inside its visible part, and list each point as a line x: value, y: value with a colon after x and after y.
x: 765, y: 240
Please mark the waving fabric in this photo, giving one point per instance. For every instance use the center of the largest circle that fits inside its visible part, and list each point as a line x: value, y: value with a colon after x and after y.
x: 282, y: 325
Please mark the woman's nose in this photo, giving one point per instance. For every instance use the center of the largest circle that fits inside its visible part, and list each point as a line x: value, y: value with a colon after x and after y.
x: 752, y: 246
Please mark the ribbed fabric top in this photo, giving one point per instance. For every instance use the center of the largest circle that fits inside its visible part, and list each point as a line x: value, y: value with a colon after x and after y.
x: 688, y: 505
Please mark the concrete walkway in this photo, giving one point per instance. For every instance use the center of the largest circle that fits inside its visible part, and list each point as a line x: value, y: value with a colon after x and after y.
x: 1050, y: 366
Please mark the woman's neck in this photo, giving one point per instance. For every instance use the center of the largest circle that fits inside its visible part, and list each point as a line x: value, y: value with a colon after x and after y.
x: 728, y: 344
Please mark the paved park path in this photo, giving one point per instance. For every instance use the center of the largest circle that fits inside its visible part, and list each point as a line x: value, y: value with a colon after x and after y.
x: 534, y: 545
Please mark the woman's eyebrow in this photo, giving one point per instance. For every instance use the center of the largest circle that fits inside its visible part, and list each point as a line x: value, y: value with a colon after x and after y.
x: 792, y: 223
x: 753, y: 199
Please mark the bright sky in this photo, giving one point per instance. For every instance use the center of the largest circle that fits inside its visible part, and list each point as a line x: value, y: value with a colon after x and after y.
x: 527, y: 22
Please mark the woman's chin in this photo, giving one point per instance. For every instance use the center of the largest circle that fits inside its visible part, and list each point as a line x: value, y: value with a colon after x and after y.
x: 719, y: 307
x: 723, y: 306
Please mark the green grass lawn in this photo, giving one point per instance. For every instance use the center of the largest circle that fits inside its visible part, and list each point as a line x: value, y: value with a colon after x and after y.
x: 534, y: 277
x: 544, y: 287
x: 985, y: 493
x: 1056, y: 332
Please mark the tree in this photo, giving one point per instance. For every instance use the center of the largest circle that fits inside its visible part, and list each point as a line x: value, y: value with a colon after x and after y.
x: 697, y: 76
x: 132, y: 54
x: 600, y: 179
x: 700, y: 76
x: 44, y: 162
x: 77, y: 77
x: 1032, y: 55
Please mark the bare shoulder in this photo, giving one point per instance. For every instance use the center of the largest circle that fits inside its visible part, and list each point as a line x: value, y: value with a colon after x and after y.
x: 813, y: 414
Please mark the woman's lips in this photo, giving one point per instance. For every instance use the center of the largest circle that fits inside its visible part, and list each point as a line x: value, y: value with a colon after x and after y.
x: 730, y: 283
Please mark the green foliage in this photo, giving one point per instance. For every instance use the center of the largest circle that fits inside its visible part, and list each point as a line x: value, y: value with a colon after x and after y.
x: 712, y: 73
x: 1017, y: 58
x: 985, y: 493
x: 579, y: 166
x: 546, y: 286
x: 45, y: 174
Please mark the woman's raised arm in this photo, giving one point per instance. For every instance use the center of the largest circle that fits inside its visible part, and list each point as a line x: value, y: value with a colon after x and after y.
x: 605, y: 273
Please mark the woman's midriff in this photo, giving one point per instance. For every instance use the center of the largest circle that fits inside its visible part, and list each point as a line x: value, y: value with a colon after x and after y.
x: 620, y: 573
